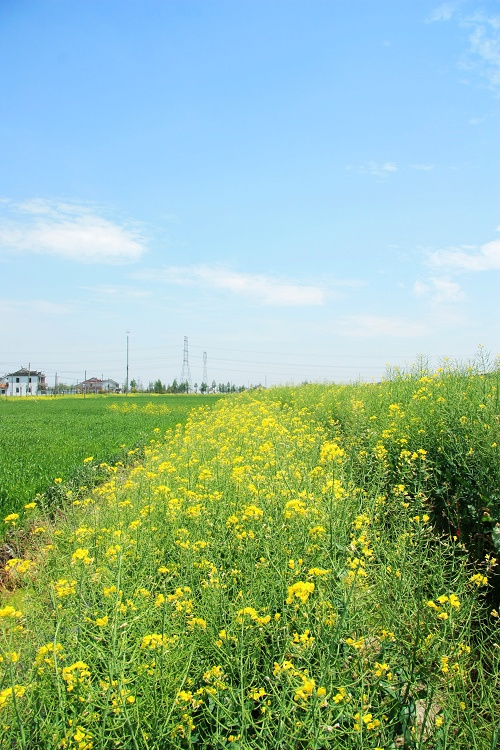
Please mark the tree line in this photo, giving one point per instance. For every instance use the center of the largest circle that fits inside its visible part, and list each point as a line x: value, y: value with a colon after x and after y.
x: 183, y: 387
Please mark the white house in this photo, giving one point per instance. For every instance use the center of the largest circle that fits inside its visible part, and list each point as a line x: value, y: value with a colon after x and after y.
x: 23, y: 382
x: 96, y: 385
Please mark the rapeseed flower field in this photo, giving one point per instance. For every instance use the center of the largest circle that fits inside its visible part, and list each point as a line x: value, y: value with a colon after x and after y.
x: 44, y: 439
x: 309, y: 567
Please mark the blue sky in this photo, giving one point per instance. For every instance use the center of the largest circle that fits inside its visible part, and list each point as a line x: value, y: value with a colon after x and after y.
x: 306, y: 189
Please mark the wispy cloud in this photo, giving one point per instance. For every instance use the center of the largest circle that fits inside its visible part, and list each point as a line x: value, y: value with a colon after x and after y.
x: 118, y: 292
x: 483, y: 53
x: 372, y: 326
x: 378, y: 170
x: 484, y: 42
x: 385, y: 169
x: 467, y: 258
x: 438, y: 290
x: 443, y: 12
x: 70, y: 231
x: 9, y: 307
x: 266, y: 290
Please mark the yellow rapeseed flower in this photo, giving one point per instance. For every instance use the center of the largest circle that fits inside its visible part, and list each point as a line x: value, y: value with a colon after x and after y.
x: 10, y: 612
x: 300, y: 590
x: 479, y: 580
x: 81, y: 555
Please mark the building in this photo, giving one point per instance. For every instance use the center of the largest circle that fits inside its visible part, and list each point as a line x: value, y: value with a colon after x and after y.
x: 23, y: 382
x: 96, y: 385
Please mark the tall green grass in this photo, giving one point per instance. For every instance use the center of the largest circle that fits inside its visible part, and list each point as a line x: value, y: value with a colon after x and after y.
x: 45, y: 438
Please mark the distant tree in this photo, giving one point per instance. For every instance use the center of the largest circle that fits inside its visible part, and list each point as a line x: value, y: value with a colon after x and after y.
x: 159, y: 387
x: 195, y: 387
x: 203, y: 388
x: 213, y: 386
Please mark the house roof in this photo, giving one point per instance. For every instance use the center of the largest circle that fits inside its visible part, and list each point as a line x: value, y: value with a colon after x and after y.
x: 95, y: 382
x: 25, y: 371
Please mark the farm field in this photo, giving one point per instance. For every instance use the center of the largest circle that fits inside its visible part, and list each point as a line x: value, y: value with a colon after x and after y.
x: 303, y: 568
x: 45, y: 438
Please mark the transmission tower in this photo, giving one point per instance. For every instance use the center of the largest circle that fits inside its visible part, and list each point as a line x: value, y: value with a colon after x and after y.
x: 205, y: 374
x: 186, y: 373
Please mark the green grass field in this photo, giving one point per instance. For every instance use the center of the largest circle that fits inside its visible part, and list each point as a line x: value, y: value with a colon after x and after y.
x: 45, y: 438
x: 311, y: 568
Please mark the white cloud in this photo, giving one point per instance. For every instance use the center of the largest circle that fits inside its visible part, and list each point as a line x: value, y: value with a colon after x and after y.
x: 443, y: 12
x: 68, y: 231
x: 266, y: 290
x: 485, y: 46
x: 423, y: 167
x: 466, y: 258
x: 38, y: 306
x: 483, y: 53
x: 378, y: 170
x: 117, y: 292
x: 439, y: 290
x: 372, y: 326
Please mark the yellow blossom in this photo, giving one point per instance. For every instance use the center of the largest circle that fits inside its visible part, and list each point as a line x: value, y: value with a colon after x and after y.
x: 6, y: 695
x: 257, y: 694
x: 81, y: 555
x: 300, y: 590
x: 479, y: 580
x: 197, y: 622
x: 340, y: 696
x: 10, y: 612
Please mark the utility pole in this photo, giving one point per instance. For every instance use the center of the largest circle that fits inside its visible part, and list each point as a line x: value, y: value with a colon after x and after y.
x: 186, y: 373
x: 85, y: 385
x: 205, y: 373
x: 126, y: 380
x: 55, y: 386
